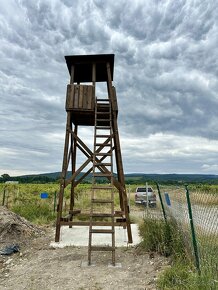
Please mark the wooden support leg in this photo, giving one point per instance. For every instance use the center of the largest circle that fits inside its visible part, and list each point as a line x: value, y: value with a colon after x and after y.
x: 73, y: 160
x: 63, y: 177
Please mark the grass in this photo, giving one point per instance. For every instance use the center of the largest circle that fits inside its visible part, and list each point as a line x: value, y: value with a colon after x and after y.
x: 24, y: 199
x: 33, y: 212
x: 166, y: 239
x: 181, y: 276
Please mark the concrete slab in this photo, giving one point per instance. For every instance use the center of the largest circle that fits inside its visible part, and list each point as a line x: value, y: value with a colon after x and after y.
x: 84, y: 264
x: 117, y: 265
x: 79, y: 236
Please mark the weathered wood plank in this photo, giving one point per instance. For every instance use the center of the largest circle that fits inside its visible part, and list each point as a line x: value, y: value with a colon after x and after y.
x: 76, y: 97
x: 81, y: 94
x: 69, y: 97
x: 90, y: 98
x: 85, y: 97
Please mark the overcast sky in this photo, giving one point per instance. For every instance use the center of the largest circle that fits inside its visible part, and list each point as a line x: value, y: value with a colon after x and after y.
x: 166, y: 69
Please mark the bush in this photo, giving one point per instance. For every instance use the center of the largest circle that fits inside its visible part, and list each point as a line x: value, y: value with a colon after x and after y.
x: 36, y: 213
x: 164, y: 238
x: 178, y: 277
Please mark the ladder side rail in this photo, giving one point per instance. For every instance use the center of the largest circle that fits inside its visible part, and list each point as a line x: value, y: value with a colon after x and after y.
x: 112, y: 195
x: 120, y: 171
x: 93, y: 160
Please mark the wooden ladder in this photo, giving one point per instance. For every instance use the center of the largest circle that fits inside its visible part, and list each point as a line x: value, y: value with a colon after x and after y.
x: 102, y: 196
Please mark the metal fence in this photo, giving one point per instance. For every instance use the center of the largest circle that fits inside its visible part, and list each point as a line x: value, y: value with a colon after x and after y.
x: 195, y: 210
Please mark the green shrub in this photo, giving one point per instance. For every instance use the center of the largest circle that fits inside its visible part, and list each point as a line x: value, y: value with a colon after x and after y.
x: 36, y: 213
x: 164, y: 238
x: 178, y: 277
x: 181, y: 276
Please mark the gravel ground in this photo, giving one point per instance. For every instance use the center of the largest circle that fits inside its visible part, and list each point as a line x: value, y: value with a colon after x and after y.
x: 39, y: 266
x: 42, y: 267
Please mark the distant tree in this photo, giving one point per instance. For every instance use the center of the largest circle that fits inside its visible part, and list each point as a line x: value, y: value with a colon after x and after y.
x: 5, y: 177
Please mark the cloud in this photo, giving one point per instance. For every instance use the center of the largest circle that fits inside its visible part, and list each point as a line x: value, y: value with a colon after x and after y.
x: 166, y: 68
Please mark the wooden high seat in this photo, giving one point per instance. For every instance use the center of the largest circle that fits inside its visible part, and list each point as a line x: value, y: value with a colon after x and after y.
x: 80, y: 97
x: 84, y: 108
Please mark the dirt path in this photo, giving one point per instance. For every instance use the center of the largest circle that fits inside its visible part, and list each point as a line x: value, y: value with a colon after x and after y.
x: 39, y: 266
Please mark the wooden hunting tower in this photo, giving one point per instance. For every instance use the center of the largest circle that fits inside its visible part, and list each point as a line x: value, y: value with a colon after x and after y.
x: 84, y: 108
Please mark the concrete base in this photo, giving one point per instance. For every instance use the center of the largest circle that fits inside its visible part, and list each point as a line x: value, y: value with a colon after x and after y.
x: 79, y: 236
x: 85, y: 264
x: 117, y: 265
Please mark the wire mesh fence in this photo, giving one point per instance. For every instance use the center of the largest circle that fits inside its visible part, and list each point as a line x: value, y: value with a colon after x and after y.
x: 195, y: 210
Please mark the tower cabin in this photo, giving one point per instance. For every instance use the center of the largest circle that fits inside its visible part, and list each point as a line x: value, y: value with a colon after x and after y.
x: 85, y: 71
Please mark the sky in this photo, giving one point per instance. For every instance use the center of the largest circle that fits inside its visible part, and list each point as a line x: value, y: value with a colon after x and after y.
x: 165, y: 74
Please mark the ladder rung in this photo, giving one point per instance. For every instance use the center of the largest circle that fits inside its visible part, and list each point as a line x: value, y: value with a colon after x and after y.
x: 102, y: 201
x: 103, y: 120
x: 102, y: 127
x: 103, y: 113
x: 102, y: 164
x: 101, y: 231
x: 102, y: 154
x: 103, y: 106
x: 102, y: 136
x: 119, y: 212
x: 74, y: 212
x: 120, y: 220
x: 105, y: 248
x: 103, y: 109
x: 102, y: 100
x: 102, y: 144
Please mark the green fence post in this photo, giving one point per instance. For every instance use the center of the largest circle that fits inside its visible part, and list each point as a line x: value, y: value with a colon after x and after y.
x: 161, y: 202
x: 55, y: 198
x: 194, y: 240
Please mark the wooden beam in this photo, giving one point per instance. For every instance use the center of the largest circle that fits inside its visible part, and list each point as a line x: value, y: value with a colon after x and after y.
x: 63, y: 177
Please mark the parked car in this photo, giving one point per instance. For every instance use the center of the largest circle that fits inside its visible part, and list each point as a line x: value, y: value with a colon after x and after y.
x: 141, y: 196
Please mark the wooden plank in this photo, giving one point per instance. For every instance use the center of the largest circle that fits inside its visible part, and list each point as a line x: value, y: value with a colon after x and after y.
x: 90, y: 98
x: 87, y: 223
x: 69, y: 97
x: 101, y: 231
x: 93, y: 98
x: 63, y: 178
x: 81, y: 89
x: 114, y: 99
x: 76, y: 97
x: 74, y: 212
x: 85, y: 97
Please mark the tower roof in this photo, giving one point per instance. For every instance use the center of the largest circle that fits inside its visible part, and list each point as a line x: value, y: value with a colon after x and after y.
x: 83, y: 66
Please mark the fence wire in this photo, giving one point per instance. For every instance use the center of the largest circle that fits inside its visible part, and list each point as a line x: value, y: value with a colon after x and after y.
x: 202, y: 240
